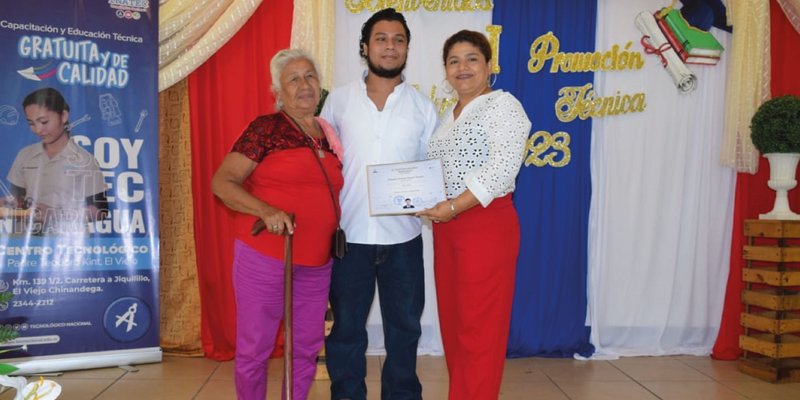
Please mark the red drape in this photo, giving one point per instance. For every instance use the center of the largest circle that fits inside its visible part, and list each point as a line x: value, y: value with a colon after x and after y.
x: 752, y: 194
x: 225, y: 94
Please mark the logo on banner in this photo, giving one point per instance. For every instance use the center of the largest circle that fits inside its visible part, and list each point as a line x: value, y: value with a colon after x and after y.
x: 129, y: 9
x: 127, y: 319
x: 38, y: 73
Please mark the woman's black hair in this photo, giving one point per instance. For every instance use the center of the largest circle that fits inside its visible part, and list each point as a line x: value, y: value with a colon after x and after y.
x: 48, y: 98
x: 475, y: 38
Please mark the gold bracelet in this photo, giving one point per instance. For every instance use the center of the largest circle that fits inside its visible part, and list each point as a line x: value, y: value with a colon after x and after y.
x: 453, y: 208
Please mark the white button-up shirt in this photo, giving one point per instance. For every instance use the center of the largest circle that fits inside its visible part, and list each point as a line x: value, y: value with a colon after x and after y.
x: 398, y: 133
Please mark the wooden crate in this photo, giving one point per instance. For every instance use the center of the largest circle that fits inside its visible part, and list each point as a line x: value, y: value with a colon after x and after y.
x: 773, y: 299
x: 772, y: 346
x: 787, y: 371
x: 771, y: 340
x: 772, y: 253
x: 773, y: 322
x: 771, y: 276
x: 772, y: 228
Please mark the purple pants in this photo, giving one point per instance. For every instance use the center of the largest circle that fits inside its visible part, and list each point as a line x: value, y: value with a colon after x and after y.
x: 258, y: 284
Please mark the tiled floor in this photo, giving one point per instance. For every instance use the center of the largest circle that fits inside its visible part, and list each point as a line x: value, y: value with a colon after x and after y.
x: 643, y: 378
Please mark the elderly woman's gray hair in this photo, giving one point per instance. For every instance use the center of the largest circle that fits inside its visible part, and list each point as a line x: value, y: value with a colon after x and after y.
x: 279, y: 61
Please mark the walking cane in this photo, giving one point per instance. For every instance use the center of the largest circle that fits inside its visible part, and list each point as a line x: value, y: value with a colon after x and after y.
x: 259, y: 226
x: 287, y: 310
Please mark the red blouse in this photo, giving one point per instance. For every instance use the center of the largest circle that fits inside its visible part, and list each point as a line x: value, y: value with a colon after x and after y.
x: 287, y: 177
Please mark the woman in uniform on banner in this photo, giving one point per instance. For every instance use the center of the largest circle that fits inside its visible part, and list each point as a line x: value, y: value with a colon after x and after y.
x: 56, y: 183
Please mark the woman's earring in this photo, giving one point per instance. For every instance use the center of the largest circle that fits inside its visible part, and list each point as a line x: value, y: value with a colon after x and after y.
x: 492, y: 80
x: 446, y: 88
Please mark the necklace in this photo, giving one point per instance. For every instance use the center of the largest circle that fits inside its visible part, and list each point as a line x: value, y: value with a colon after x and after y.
x: 316, y: 143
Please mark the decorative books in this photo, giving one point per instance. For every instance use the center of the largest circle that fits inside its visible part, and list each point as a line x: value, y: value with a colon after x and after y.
x: 695, y: 42
x: 676, y: 45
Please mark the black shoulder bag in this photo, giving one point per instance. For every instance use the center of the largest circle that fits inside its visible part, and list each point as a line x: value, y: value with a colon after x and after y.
x: 339, y: 240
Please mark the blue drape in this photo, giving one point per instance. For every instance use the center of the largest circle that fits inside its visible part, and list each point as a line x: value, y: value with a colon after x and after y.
x: 549, y: 311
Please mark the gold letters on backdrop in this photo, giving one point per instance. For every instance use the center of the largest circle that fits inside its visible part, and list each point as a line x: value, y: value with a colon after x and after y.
x: 494, y: 41
x: 578, y: 101
x: 357, y: 6
x: 541, y: 141
x: 546, y: 48
x: 581, y: 102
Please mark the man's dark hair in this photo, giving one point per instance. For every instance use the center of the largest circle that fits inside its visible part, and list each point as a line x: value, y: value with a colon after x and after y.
x: 387, y: 14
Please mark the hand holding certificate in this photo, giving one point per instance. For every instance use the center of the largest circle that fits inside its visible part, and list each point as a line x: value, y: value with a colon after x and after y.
x: 404, y: 188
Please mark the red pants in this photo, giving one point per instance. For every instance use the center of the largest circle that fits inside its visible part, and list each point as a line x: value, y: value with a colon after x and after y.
x: 475, y: 258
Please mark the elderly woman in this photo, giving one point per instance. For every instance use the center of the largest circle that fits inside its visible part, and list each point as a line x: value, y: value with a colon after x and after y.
x: 56, y: 178
x: 282, y: 163
x: 476, y: 231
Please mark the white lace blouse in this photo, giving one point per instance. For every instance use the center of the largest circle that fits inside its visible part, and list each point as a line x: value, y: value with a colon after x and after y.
x: 483, y: 149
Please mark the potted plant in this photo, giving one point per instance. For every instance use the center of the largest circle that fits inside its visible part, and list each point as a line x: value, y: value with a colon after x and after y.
x: 775, y: 131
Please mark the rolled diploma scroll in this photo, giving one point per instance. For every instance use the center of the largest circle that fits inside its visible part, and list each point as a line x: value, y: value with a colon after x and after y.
x: 682, y: 76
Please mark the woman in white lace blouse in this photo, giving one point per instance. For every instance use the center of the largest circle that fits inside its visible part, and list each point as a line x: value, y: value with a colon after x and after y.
x: 480, y: 141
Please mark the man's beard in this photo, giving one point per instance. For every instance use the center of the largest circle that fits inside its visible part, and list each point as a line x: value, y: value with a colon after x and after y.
x: 383, y: 72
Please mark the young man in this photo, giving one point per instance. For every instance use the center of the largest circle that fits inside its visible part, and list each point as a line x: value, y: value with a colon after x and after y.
x: 380, y: 119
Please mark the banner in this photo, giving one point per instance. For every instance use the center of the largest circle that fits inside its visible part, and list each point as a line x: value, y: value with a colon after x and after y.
x: 79, y: 223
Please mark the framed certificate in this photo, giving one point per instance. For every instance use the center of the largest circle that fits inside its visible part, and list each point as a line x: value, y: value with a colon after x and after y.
x: 405, y: 188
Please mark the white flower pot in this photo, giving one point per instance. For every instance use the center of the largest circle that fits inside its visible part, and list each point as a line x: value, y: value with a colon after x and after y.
x: 782, y: 171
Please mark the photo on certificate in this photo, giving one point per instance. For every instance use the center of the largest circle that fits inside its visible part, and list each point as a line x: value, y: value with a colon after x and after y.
x: 404, y: 188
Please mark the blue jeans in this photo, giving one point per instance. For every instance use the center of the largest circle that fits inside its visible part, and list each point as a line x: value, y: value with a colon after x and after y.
x: 398, y: 269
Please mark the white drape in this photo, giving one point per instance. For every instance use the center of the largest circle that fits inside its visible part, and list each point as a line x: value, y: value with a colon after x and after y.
x: 661, y: 211
x: 424, y: 68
